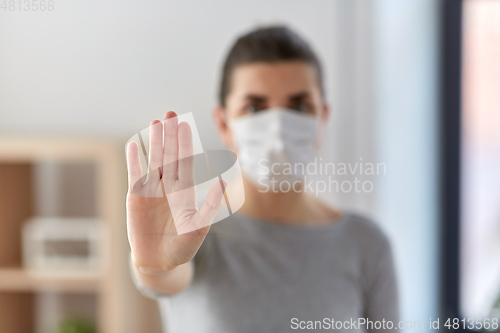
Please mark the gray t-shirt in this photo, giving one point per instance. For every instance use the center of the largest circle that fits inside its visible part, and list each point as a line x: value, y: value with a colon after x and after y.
x: 259, y: 276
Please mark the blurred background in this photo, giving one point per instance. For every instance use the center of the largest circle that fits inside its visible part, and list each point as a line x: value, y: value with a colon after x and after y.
x: 79, y: 78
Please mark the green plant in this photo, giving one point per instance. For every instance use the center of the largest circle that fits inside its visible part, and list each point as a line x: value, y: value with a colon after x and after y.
x: 76, y: 325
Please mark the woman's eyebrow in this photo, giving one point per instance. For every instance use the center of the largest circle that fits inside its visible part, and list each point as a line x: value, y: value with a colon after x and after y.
x: 256, y: 98
x: 299, y: 96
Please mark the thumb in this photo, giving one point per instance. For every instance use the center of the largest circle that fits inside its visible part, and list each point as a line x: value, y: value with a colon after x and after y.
x: 205, y: 216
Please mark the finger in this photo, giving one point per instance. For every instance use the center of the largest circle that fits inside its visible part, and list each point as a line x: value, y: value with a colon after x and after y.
x: 170, y: 146
x: 186, y: 169
x: 155, y: 150
x: 133, y: 166
x: 212, y: 205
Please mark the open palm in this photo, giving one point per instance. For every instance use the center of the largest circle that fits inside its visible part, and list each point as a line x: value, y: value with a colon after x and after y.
x: 165, y: 227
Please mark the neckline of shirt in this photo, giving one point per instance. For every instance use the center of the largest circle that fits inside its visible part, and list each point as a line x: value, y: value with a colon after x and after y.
x: 271, y: 224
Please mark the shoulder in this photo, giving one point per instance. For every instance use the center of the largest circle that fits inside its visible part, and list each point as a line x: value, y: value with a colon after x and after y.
x: 367, y: 233
x: 373, y: 247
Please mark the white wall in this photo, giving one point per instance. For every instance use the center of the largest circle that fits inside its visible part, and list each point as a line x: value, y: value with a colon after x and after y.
x: 108, y: 68
x: 406, y: 89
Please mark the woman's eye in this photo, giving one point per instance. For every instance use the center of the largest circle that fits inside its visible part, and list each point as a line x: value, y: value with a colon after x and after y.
x: 302, y: 107
x: 253, y: 108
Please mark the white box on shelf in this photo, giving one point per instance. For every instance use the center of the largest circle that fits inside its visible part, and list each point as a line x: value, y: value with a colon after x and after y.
x: 61, y: 243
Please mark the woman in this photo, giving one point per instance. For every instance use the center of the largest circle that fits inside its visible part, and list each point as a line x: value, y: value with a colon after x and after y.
x: 284, y: 261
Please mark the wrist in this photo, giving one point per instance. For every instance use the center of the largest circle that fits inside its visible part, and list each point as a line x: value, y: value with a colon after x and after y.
x: 150, y: 271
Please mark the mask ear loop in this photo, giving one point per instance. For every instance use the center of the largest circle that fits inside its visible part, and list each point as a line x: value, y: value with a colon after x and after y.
x: 320, y: 136
x: 224, y: 118
x: 229, y: 124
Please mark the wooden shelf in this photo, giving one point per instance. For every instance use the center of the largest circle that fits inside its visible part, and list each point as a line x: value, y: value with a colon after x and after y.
x: 120, y: 308
x: 18, y: 279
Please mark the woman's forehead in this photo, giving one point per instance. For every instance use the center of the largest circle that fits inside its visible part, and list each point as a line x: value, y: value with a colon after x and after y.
x: 273, y: 78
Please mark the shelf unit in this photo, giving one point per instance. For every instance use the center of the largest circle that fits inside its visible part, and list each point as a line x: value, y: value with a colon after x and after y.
x: 18, y: 279
x: 119, y: 306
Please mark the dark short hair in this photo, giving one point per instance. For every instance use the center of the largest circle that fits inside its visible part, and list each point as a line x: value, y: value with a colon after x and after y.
x: 271, y: 44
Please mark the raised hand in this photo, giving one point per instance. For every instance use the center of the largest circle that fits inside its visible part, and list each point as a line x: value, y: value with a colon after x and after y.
x: 165, y: 227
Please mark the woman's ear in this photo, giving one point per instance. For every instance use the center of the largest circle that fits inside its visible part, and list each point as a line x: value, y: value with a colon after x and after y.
x: 220, y: 119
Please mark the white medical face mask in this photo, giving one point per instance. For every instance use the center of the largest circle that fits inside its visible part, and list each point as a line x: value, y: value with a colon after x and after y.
x: 275, y: 145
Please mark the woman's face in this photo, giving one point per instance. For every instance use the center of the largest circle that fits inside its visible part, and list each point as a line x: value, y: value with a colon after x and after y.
x: 260, y: 86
